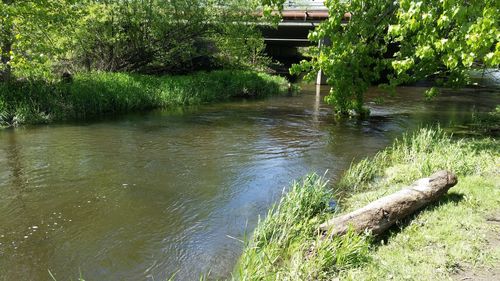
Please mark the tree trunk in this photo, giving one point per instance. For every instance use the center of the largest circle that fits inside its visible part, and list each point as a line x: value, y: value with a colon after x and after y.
x: 5, y: 74
x: 6, y: 46
x: 381, y: 214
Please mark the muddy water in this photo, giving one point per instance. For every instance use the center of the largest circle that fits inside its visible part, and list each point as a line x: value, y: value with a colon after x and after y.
x: 144, y: 196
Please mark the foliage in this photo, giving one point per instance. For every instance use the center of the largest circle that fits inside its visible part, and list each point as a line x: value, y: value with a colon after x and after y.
x: 353, y: 58
x: 445, y: 39
x: 440, y: 39
x: 33, y: 35
x: 286, y: 245
x: 271, y: 10
x: 133, y: 35
x: 90, y: 95
x: 43, y: 39
x: 239, y: 43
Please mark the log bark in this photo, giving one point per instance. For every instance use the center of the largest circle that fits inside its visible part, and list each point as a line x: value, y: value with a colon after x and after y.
x: 381, y: 214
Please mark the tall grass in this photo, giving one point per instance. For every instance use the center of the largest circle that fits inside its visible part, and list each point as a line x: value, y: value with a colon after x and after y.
x: 91, y: 95
x: 287, y: 246
x: 419, y: 154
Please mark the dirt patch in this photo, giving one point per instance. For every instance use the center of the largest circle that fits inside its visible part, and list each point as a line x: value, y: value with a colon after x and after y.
x: 485, y: 273
x: 479, y: 274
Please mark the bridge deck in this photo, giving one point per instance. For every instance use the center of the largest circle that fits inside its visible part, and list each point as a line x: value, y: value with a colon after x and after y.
x: 305, y: 15
x: 298, y: 19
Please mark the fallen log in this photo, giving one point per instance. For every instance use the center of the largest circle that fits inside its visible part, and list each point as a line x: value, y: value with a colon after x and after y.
x: 381, y: 214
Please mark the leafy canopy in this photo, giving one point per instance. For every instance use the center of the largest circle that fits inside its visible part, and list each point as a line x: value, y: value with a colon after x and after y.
x: 31, y: 33
x: 400, y: 42
x: 40, y: 38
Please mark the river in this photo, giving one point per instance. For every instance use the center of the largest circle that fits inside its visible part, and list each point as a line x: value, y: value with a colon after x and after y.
x: 145, y: 196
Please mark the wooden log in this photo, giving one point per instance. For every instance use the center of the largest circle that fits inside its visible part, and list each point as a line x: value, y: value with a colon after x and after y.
x: 381, y: 214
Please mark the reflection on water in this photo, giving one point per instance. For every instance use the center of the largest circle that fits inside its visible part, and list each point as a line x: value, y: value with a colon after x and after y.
x: 145, y: 196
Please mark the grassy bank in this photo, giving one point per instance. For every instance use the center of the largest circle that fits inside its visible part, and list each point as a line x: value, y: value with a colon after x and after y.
x: 90, y: 95
x: 449, y: 238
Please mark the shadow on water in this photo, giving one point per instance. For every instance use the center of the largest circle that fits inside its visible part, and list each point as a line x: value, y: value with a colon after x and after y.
x: 19, y: 182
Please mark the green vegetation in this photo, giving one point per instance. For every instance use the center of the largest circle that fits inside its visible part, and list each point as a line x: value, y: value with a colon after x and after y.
x: 43, y: 39
x: 91, y: 95
x: 66, y: 59
x: 434, y: 244
x: 400, y: 42
x: 487, y: 124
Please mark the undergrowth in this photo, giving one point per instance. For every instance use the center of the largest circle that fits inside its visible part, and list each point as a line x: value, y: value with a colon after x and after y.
x: 91, y: 95
x: 434, y: 244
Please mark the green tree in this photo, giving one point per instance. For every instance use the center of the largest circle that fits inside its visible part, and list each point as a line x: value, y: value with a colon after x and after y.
x: 445, y: 39
x: 6, y: 39
x: 32, y: 35
x: 237, y: 37
x: 40, y: 38
x: 155, y: 36
x: 138, y: 35
x: 440, y: 39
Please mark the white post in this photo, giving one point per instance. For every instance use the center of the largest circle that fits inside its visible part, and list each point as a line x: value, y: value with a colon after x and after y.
x: 317, y: 103
x: 321, y: 77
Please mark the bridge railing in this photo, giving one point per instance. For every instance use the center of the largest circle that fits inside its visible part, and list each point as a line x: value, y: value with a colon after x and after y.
x: 304, y: 5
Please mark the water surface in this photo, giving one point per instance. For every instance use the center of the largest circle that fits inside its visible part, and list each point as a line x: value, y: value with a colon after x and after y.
x: 144, y: 196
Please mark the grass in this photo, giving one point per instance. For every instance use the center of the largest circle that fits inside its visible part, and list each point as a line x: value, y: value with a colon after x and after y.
x: 434, y: 244
x: 92, y: 95
x: 487, y: 124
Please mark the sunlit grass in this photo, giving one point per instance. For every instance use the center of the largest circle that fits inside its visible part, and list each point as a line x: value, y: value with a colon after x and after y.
x: 284, y: 242
x: 432, y: 245
x: 92, y: 95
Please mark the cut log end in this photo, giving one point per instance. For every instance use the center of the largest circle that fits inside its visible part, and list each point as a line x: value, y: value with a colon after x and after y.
x: 449, y: 179
x: 381, y: 214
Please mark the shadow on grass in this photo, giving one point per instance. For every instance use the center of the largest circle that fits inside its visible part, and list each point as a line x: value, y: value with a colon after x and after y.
x: 486, y: 145
x: 449, y: 198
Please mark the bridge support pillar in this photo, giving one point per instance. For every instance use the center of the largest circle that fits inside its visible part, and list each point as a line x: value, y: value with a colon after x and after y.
x: 321, y: 77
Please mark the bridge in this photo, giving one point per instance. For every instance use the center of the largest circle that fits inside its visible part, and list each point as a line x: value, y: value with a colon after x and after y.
x: 298, y: 19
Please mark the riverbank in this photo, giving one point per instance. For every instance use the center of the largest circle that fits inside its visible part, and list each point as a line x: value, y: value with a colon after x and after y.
x: 456, y: 236
x: 92, y: 95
